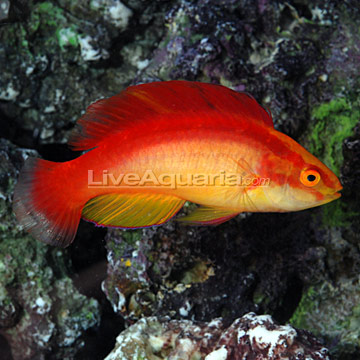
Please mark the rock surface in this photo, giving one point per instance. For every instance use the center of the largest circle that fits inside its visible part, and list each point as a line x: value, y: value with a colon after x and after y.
x: 250, y: 337
x: 40, y: 309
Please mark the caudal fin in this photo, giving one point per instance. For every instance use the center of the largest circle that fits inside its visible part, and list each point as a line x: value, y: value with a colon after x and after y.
x: 41, y: 205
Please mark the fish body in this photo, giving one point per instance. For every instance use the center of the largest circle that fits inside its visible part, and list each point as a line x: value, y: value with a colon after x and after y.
x: 155, y: 146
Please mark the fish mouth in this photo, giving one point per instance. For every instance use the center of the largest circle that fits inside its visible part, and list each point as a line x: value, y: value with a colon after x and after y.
x: 336, y: 193
x: 330, y: 197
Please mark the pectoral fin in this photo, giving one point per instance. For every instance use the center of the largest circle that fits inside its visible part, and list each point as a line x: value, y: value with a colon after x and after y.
x: 204, y: 215
x: 131, y: 210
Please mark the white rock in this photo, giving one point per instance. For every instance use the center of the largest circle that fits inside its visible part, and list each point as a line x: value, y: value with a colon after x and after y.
x: 9, y: 94
x: 119, y: 15
x: 114, y: 11
x: 88, y: 53
x: 219, y: 354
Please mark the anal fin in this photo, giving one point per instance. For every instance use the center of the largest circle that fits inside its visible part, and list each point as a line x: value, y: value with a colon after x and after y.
x: 131, y: 210
x: 206, y: 215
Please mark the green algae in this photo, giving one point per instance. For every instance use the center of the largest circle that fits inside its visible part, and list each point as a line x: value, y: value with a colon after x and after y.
x: 67, y: 36
x: 75, y: 312
x: 198, y: 273
x: 337, y: 214
x: 43, y: 291
x: 50, y: 20
x: 307, y: 305
x: 52, y: 14
x: 132, y: 236
x: 328, y: 310
x: 334, y: 122
x: 261, y: 299
x: 16, y: 36
x: 38, y: 301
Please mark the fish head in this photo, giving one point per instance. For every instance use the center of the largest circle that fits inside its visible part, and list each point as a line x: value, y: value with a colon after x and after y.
x: 301, y: 181
x: 313, y: 183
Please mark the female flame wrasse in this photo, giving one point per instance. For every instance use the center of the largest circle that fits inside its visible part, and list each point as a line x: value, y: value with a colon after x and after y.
x: 155, y: 146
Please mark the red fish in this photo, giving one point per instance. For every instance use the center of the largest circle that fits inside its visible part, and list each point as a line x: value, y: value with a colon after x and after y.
x: 154, y: 146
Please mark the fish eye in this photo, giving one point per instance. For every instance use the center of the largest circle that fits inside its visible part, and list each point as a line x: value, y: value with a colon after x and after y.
x: 310, y: 177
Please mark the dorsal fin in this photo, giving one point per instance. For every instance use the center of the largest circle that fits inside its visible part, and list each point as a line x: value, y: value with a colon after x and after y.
x: 162, y: 104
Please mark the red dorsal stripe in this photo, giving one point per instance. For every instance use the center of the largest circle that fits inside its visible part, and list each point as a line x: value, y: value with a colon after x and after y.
x: 161, y: 103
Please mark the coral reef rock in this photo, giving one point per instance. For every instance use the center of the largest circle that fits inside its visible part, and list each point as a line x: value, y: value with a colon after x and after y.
x: 40, y: 309
x: 250, y: 337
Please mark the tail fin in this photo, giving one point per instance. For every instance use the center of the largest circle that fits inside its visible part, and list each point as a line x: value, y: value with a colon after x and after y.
x: 42, y: 206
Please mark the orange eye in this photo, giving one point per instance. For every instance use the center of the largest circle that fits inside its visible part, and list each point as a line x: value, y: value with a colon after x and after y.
x: 310, y: 177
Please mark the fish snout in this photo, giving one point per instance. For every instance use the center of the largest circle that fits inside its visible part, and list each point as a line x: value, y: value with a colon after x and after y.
x: 335, y: 193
